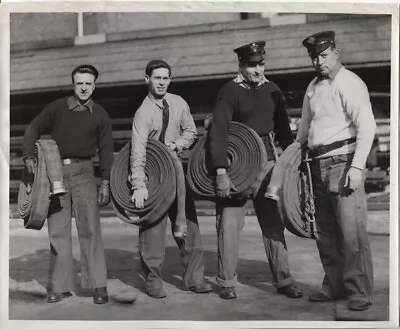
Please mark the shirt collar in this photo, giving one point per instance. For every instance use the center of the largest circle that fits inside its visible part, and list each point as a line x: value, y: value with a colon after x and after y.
x: 73, y: 104
x: 331, y: 74
x: 158, y: 102
x: 240, y: 80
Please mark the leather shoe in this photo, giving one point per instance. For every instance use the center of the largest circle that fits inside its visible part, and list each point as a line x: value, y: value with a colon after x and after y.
x: 157, y: 293
x: 228, y: 293
x: 358, y: 305
x: 57, y: 297
x: 100, y: 295
x: 201, y: 288
x: 319, y: 297
x: 290, y: 291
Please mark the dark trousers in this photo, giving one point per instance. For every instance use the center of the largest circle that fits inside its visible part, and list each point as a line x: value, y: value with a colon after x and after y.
x: 230, y: 221
x: 342, y: 238
x: 81, y: 196
x: 152, y: 248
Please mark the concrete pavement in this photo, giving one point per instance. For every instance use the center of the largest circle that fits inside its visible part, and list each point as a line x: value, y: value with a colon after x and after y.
x: 257, y: 300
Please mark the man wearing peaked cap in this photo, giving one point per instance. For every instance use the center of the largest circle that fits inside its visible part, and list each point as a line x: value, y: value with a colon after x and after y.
x: 252, y: 52
x: 252, y: 100
x: 338, y: 126
x: 80, y: 127
x: 319, y: 42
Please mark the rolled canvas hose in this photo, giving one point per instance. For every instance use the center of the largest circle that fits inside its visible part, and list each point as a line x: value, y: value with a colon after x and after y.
x: 166, y: 183
x: 248, y: 163
x: 35, y: 191
x: 291, y: 187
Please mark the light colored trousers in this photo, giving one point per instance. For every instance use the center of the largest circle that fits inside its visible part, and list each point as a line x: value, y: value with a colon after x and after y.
x: 230, y: 221
x: 81, y: 196
x: 342, y: 237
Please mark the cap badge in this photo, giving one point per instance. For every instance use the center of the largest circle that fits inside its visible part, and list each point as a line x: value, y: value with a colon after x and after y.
x: 254, y: 48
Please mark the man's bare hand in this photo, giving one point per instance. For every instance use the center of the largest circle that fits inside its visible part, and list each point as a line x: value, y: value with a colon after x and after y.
x: 139, y: 197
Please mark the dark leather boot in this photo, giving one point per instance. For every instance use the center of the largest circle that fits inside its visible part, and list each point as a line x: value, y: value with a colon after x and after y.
x: 100, y: 295
x: 202, y: 288
x: 228, y: 293
x: 290, y: 291
x: 55, y: 297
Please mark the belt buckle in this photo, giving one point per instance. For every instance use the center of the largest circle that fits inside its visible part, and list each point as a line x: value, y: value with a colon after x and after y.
x: 66, y: 161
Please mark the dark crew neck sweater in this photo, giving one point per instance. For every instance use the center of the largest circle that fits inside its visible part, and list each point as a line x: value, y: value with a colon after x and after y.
x: 262, y: 109
x: 78, y: 134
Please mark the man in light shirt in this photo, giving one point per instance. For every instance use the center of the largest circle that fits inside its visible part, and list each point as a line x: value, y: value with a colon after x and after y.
x: 166, y: 117
x: 338, y: 124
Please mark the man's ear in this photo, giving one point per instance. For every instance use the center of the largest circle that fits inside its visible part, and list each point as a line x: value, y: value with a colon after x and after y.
x: 147, y: 78
x: 336, y: 51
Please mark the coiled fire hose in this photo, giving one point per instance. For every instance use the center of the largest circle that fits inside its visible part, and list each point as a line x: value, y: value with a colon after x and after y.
x: 248, y: 163
x: 291, y: 186
x: 35, y: 191
x: 166, y: 183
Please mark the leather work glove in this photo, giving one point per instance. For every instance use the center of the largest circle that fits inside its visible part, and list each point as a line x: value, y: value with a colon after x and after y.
x: 224, y: 185
x: 30, y: 165
x: 354, y: 178
x: 103, y: 196
x: 139, y: 197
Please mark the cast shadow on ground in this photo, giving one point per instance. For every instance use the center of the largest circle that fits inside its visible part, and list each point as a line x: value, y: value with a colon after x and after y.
x: 125, y: 266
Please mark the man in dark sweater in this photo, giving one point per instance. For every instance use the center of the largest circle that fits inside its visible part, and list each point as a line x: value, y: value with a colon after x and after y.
x: 253, y: 100
x: 80, y: 127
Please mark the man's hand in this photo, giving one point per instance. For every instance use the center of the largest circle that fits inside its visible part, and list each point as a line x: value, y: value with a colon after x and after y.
x: 172, y: 146
x: 354, y: 178
x: 30, y: 165
x: 224, y: 185
x: 103, y: 196
x: 139, y: 197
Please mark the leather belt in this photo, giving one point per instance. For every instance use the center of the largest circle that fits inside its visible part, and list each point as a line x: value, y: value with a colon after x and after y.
x: 74, y: 160
x: 321, y: 150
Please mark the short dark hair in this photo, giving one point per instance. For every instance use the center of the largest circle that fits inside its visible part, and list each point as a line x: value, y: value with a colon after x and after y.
x: 157, y: 64
x: 85, y: 69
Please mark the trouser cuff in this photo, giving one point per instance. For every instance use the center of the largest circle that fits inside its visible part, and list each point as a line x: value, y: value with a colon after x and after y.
x: 58, y: 187
x: 227, y: 283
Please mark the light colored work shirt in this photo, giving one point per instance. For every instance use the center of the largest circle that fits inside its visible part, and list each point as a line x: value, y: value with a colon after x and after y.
x: 147, y: 123
x: 335, y: 109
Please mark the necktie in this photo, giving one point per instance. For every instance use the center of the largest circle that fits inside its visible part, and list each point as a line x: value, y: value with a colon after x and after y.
x: 165, y: 119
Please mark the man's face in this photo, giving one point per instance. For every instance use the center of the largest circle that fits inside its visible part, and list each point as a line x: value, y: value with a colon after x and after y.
x: 325, y: 61
x: 83, y: 86
x: 158, y: 82
x: 253, y: 72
